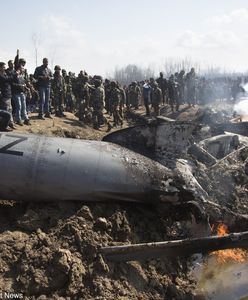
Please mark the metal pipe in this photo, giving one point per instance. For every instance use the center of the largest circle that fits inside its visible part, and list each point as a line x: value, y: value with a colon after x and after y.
x: 175, y: 248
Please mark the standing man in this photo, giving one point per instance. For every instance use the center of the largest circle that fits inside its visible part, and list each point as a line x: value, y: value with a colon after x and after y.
x: 83, y: 98
x: 181, y: 86
x: 58, y: 87
x: 22, y: 62
x: 122, y: 99
x: 146, y: 96
x: 18, y: 89
x: 44, y: 77
x: 191, y: 87
x: 6, y: 94
x: 10, y: 71
x: 173, y: 93
x: 156, y: 98
x: 5, y: 115
x: 134, y: 94
x: 114, y: 99
x: 97, y: 103
x: 162, y: 84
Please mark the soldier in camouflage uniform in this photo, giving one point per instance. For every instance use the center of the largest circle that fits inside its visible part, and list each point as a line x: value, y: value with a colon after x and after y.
x: 107, y: 90
x: 134, y: 95
x: 173, y: 93
x: 97, y: 103
x: 64, y: 74
x: 70, y: 101
x: 34, y: 94
x: 84, y: 98
x: 29, y: 87
x: 181, y: 83
x: 58, y: 87
x: 156, y: 98
x: 162, y: 83
x: 190, y: 80
x: 115, y: 98
x: 77, y: 87
x: 122, y: 99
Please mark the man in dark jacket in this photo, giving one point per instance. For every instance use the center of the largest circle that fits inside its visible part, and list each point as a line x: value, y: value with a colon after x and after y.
x: 44, y: 77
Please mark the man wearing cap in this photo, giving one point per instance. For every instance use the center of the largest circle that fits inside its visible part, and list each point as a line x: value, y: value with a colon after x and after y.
x: 115, y: 98
x: 18, y: 90
x: 156, y: 98
x: 83, y: 97
x: 10, y: 71
x: 5, y: 116
x: 97, y: 103
x: 6, y: 93
x: 134, y: 94
x: 44, y: 77
x: 21, y: 62
x: 162, y: 84
x: 58, y: 87
x: 191, y: 87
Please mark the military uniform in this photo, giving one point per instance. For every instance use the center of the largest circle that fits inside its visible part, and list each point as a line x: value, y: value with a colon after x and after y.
x: 134, y: 95
x: 115, y: 99
x: 84, y: 98
x: 70, y: 97
x: 162, y: 83
x: 173, y: 93
x: 58, y: 87
x: 191, y: 87
x: 181, y: 83
x: 122, y: 100
x: 97, y: 103
x: 156, y: 98
x: 147, y: 89
x: 107, y: 100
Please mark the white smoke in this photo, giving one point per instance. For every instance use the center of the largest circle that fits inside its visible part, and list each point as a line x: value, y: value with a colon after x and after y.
x: 218, y: 281
x: 241, y: 108
x: 245, y: 87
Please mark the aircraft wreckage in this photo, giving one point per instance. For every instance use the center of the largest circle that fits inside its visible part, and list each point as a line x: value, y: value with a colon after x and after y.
x: 145, y: 163
x: 154, y: 163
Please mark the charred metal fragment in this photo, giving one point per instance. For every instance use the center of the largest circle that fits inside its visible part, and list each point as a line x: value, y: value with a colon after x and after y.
x: 175, y: 248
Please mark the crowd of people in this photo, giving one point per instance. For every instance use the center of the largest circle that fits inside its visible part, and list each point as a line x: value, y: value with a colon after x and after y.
x: 91, y: 98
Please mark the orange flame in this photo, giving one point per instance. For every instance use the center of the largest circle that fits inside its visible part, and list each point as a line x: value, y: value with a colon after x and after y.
x: 222, y: 230
x: 234, y: 255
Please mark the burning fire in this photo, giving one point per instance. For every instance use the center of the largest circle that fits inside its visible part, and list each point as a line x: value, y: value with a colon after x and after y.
x: 234, y: 255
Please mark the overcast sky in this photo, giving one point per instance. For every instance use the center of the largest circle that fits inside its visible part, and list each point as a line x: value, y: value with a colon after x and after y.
x: 98, y: 35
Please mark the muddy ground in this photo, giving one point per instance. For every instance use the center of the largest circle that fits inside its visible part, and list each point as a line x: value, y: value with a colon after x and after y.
x: 50, y: 250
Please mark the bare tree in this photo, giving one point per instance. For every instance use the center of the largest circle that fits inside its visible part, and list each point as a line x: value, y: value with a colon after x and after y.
x: 132, y: 72
x: 36, y: 39
x: 52, y: 54
x: 173, y: 65
x: 129, y: 73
